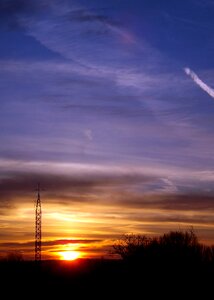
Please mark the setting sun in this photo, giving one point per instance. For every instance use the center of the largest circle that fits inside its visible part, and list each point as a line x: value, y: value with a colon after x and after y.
x: 69, y: 255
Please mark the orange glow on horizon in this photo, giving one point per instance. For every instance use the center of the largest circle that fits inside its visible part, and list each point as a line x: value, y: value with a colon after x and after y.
x: 69, y: 255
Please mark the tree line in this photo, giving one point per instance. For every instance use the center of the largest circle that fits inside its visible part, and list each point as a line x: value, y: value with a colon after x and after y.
x: 177, y: 247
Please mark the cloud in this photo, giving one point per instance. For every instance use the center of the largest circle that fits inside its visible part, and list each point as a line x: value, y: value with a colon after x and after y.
x: 88, y: 134
x: 50, y: 243
x: 65, y: 188
x: 129, y: 187
x: 192, y: 201
x: 90, y: 36
x: 84, y: 15
x: 199, y: 82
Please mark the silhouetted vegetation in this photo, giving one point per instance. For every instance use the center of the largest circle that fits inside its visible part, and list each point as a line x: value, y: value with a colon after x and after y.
x: 175, y: 247
x: 170, y: 266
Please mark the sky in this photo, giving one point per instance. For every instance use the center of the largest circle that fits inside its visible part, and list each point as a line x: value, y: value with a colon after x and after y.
x: 110, y: 106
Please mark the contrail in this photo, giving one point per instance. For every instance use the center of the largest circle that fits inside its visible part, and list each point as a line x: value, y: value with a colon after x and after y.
x: 199, y: 82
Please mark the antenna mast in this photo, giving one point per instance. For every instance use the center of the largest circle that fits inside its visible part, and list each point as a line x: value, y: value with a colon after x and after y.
x: 38, y: 226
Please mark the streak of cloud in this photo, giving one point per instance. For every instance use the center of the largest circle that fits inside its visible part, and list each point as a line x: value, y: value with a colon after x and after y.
x: 51, y: 243
x: 199, y: 82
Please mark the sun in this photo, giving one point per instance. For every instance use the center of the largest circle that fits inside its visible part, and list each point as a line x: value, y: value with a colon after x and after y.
x: 70, y: 255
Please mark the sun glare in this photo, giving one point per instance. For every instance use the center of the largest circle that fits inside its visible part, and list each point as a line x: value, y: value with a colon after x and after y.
x: 69, y: 255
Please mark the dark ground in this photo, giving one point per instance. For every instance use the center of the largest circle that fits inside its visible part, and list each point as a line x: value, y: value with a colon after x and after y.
x: 101, y: 279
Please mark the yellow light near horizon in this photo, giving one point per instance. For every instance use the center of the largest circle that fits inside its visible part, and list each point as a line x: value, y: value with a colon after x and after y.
x: 69, y: 255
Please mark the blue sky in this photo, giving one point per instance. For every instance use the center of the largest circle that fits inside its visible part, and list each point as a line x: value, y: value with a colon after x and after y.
x: 96, y: 91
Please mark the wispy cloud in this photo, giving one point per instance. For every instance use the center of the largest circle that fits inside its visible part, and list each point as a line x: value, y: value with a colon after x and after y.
x: 139, y: 187
x: 50, y: 243
x: 199, y: 82
x: 84, y: 15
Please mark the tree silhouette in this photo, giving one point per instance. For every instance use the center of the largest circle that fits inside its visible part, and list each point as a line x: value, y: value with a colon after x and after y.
x: 130, y: 245
x: 180, y: 247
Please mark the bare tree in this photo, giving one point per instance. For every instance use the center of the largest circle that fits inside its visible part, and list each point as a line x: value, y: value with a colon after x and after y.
x: 175, y: 244
x: 130, y: 244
